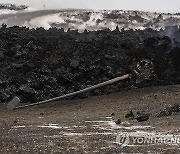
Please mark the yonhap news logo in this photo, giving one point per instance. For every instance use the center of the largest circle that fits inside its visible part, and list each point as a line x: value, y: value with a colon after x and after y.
x: 125, y: 139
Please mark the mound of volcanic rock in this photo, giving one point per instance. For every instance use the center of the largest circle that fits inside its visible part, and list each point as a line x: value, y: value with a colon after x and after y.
x: 37, y: 64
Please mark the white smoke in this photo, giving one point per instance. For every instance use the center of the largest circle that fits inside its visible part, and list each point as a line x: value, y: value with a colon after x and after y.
x: 88, y: 19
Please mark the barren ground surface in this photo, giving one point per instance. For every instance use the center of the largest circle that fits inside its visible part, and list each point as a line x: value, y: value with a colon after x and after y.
x: 86, y: 125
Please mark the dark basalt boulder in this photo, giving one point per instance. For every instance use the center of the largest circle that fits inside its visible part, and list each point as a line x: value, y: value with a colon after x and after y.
x: 142, y: 116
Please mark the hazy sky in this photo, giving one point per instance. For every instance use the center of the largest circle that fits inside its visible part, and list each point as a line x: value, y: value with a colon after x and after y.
x: 147, y: 5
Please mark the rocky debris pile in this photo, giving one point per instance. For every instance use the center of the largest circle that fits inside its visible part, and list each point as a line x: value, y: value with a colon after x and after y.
x: 38, y: 64
x: 169, y: 110
x: 141, y: 115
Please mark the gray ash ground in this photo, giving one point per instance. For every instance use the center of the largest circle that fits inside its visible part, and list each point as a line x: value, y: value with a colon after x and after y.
x: 87, y: 125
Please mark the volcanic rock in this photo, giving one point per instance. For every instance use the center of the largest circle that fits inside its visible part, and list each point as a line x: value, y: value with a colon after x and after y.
x: 1, y: 55
x: 142, y: 116
x: 118, y: 121
x: 130, y: 115
x: 175, y: 108
x: 4, y: 96
x: 37, y: 64
x: 74, y: 63
x: 164, y: 113
x: 113, y: 114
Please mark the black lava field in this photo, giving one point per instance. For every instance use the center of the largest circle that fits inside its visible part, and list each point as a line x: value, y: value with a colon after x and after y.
x: 38, y: 64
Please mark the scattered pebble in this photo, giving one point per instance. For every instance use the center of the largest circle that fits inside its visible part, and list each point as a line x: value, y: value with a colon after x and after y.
x: 118, y: 121
x: 130, y: 115
x: 15, y: 122
x: 112, y: 114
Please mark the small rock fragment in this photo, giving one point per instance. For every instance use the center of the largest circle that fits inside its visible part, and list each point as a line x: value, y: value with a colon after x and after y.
x: 164, y: 113
x: 175, y: 108
x: 142, y: 116
x: 74, y: 63
x: 15, y: 121
x: 155, y: 96
x: 118, y: 121
x: 130, y: 115
x: 113, y: 114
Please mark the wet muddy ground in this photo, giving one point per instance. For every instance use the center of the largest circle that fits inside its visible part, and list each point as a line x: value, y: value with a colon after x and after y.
x: 87, y: 126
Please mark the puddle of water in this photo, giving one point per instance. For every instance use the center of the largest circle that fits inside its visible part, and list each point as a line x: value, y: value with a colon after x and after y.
x: 80, y: 134
x: 108, y: 117
x: 53, y: 126
x: 87, y: 134
x: 138, y: 127
x: 18, y: 126
x: 40, y: 117
x: 98, y: 121
x: 79, y: 126
x: 115, y: 126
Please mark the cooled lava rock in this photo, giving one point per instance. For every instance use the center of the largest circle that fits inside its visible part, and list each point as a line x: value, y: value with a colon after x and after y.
x: 164, y: 113
x: 175, y: 108
x: 113, y: 114
x: 142, y: 116
x: 130, y: 115
x: 38, y: 64
x: 118, y: 121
